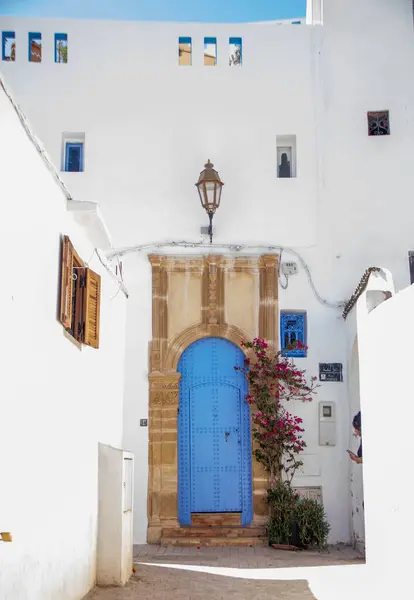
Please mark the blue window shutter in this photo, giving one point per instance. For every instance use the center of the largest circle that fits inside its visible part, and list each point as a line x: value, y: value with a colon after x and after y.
x: 293, y: 329
x: 6, y: 35
x: 210, y: 40
x: 411, y: 262
x: 74, y: 157
x: 184, y: 40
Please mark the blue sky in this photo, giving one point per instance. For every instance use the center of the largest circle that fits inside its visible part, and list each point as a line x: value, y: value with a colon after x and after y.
x: 158, y: 10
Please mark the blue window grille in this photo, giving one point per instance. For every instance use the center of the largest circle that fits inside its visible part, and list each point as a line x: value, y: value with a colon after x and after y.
x: 8, y: 46
x: 293, y: 329
x: 61, y: 47
x: 235, y: 57
x: 74, y: 157
x: 35, y: 47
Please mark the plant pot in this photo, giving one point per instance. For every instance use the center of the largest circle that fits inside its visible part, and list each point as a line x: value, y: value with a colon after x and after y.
x: 283, y: 547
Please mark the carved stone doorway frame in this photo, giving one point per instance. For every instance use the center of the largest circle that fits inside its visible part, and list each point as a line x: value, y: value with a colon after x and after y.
x: 192, y: 298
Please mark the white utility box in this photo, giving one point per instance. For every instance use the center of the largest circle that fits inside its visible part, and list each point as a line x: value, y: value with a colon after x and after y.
x: 327, y: 424
x: 115, y: 515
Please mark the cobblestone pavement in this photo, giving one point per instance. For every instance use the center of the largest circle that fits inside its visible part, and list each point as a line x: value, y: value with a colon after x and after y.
x: 159, y: 583
x: 258, y: 557
x: 163, y: 583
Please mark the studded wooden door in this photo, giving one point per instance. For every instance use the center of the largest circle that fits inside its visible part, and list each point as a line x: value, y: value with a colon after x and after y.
x: 214, y: 444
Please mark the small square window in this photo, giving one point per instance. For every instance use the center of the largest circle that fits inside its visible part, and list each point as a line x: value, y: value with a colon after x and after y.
x: 8, y: 41
x: 61, y: 47
x: 235, y: 51
x: 35, y: 47
x: 293, y: 329
x: 327, y: 411
x: 73, y: 156
x: 379, y: 123
x: 210, y: 51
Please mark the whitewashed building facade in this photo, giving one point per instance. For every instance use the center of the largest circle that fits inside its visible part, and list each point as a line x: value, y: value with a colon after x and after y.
x: 333, y: 94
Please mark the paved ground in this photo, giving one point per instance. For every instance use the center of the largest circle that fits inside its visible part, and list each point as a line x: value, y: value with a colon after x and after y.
x: 258, y: 557
x: 163, y: 583
x: 159, y: 583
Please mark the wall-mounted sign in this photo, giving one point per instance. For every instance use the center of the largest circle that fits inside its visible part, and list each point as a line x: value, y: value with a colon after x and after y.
x: 330, y: 372
x: 143, y: 423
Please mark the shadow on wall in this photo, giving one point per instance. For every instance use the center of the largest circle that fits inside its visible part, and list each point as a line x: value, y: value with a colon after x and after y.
x: 356, y: 487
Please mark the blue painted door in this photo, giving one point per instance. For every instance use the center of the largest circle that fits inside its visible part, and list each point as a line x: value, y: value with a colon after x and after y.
x: 214, y: 448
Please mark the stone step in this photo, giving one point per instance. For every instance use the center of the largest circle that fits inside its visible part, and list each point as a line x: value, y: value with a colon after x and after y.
x: 212, y: 541
x: 226, y: 519
x: 210, y: 532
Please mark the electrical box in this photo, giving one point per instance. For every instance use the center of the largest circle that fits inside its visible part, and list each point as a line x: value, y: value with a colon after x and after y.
x: 327, y: 424
x: 115, y: 516
x: 289, y: 268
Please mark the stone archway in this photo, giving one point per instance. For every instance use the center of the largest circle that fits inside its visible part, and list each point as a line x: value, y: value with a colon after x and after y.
x: 234, y: 298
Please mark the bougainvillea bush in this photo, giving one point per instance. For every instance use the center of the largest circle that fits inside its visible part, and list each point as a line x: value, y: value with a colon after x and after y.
x: 274, y: 381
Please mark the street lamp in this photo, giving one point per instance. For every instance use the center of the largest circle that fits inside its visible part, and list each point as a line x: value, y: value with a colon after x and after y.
x: 209, y: 187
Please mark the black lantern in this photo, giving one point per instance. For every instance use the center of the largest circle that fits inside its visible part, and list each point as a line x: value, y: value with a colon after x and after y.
x: 209, y: 187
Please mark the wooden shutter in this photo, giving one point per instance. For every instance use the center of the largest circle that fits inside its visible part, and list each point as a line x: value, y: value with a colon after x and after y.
x: 66, y: 284
x: 92, y: 301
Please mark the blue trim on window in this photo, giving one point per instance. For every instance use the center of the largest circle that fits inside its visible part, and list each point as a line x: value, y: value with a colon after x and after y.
x: 209, y: 40
x: 184, y: 40
x: 33, y: 36
x: 296, y: 22
x: 59, y: 37
x: 69, y: 148
x: 293, y: 328
x: 6, y: 35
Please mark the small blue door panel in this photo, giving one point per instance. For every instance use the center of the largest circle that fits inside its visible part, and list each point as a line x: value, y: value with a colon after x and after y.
x: 214, y: 447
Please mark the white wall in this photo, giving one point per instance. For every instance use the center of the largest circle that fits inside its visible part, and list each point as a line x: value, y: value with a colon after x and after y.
x: 386, y: 358
x: 57, y: 402
x: 150, y: 125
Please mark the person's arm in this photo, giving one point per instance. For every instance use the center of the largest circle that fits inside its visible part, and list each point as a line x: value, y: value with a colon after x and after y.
x: 355, y: 458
